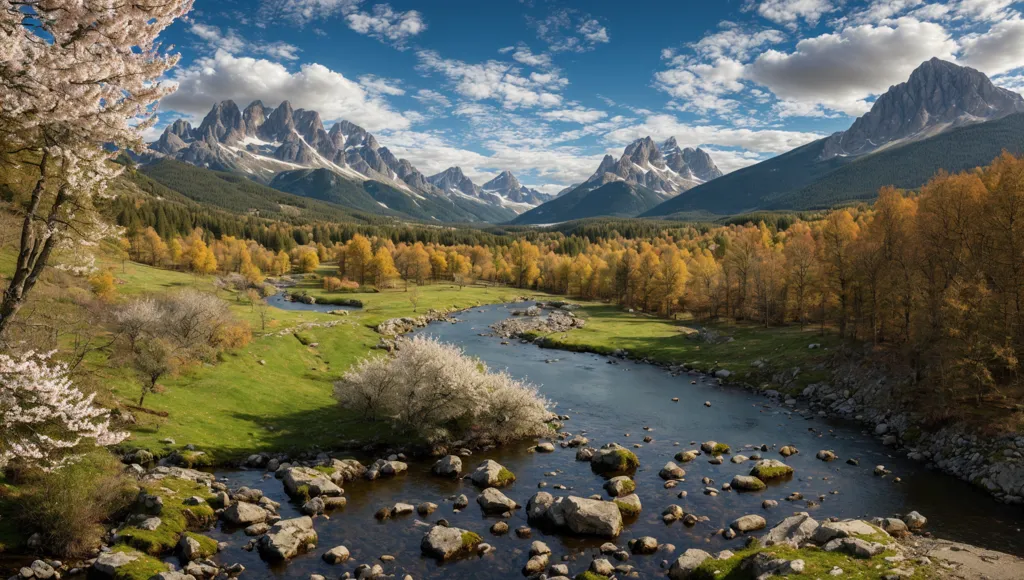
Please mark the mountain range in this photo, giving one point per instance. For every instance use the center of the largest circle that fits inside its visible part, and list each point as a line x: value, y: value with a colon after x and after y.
x: 945, y: 116
x: 646, y: 175
x: 291, y: 150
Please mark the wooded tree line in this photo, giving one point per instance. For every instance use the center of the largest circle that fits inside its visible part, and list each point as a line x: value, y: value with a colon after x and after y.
x: 938, y: 274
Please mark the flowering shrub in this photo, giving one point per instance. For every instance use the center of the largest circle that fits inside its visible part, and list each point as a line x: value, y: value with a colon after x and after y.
x: 44, y: 420
x: 436, y: 392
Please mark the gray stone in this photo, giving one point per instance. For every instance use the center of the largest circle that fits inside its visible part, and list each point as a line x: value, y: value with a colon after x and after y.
x: 245, y: 514
x: 748, y: 523
x: 312, y: 481
x: 288, y: 538
x: 336, y: 555
x: 589, y: 517
x: 490, y: 473
x: 672, y: 471
x: 108, y: 563
x: 794, y: 530
x: 493, y: 501
x: 685, y: 564
x: 443, y: 542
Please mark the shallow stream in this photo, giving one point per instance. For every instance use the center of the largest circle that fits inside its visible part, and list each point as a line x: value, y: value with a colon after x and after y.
x: 606, y: 402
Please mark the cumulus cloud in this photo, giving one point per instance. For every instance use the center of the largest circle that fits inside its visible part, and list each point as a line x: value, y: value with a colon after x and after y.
x: 790, y: 12
x: 381, y: 86
x: 387, y: 25
x: 313, y: 86
x: 840, y: 70
x: 999, y: 50
x: 232, y: 42
x: 569, y: 30
x: 523, y: 55
x: 579, y: 115
x: 381, y: 21
x: 496, y: 80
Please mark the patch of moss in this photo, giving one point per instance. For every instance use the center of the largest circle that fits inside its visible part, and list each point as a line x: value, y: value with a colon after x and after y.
x: 304, y: 338
x: 912, y: 434
x: 470, y: 540
x: 765, y: 473
x: 302, y: 492
x: 720, y: 449
x: 325, y: 469
x: 588, y: 575
x: 207, y: 545
x: 175, y: 517
x: 627, y: 509
x: 505, y: 477
x: 817, y: 564
x: 193, y: 459
x: 629, y: 486
x: 143, y: 567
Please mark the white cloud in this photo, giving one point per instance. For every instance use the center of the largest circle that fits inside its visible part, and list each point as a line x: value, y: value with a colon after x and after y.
x: 313, y: 86
x: 523, y: 55
x: 700, y: 86
x: 570, y: 30
x: 733, y: 41
x: 579, y: 115
x: 729, y: 160
x: 432, y: 98
x: 381, y: 22
x: 230, y: 41
x: 790, y: 12
x: 593, y: 32
x: 381, y: 86
x: 662, y: 126
x: 999, y: 50
x: 840, y: 70
x: 387, y: 25
x: 495, y: 80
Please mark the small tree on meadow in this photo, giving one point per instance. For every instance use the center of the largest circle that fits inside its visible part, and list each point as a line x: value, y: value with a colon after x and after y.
x: 153, y: 359
x: 414, y: 297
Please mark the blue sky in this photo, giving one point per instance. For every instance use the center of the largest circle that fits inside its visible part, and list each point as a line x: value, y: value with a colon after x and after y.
x: 545, y: 88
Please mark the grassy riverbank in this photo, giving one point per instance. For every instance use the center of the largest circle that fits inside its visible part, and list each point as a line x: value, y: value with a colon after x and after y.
x: 779, y: 349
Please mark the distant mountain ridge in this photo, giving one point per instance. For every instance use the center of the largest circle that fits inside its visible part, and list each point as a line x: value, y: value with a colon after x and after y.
x: 266, y: 144
x: 644, y: 176
x: 911, y: 132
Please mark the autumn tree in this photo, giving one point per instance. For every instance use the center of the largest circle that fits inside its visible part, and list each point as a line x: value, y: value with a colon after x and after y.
x: 523, y: 257
x: 358, y: 259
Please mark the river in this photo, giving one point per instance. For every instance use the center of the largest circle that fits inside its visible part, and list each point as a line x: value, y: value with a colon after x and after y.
x: 606, y: 402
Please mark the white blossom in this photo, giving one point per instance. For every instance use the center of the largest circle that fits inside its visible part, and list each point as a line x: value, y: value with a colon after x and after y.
x: 436, y: 391
x: 44, y: 420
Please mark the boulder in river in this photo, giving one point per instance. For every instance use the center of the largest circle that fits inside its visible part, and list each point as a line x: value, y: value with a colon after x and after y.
x: 336, y: 555
x: 748, y: 523
x: 826, y: 455
x: 299, y: 481
x: 915, y: 521
x: 444, y: 543
x: 537, y: 507
x: 490, y: 473
x: 287, y: 539
x: 447, y: 466
x: 245, y: 514
x: 685, y: 564
x: 588, y: 516
x: 769, y: 469
x: 493, y: 501
x: 794, y: 530
x: 620, y: 485
x: 687, y: 456
x: 747, y: 483
x: 614, y: 458
x: 672, y: 471
x: 629, y: 505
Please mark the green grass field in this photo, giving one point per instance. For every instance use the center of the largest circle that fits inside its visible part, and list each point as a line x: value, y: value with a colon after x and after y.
x: 665, y: 341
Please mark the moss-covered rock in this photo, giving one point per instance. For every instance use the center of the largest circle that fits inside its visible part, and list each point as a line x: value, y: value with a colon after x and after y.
x: 614, y: 459
x: 177, y: 516
x: 769, y: 469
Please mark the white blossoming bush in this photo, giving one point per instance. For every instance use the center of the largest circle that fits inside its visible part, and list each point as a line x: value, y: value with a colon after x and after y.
x: 436, y: 392
x: 44, y: 420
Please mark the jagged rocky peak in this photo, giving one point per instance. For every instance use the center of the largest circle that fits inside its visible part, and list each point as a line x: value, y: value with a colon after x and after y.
x: 279, y: 124
x: 345, y: 134
x: 254, y: 116
x: 700, y: 164
x: 222, y: 124
x: 644, y: 152
x: 939, y: 95
x: 504, y: 181
x: 454, y: 179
